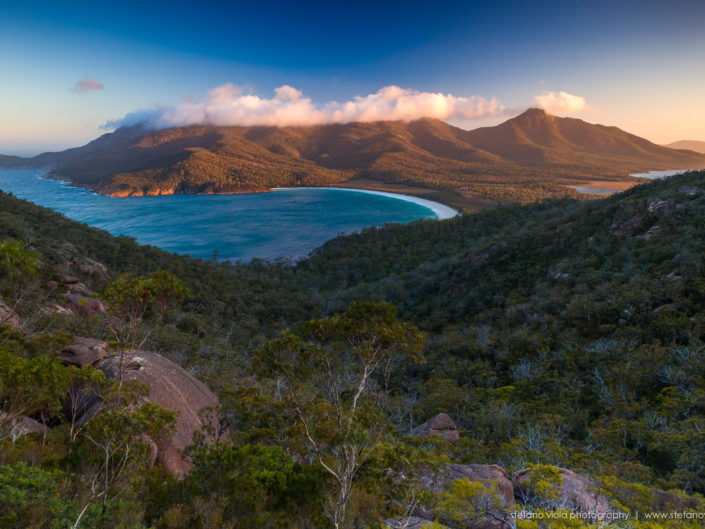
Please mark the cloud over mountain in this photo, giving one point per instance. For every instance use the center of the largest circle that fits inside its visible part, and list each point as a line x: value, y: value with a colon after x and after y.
x: 87, y: 85
x: 561, y: 103
x: 229, y: 105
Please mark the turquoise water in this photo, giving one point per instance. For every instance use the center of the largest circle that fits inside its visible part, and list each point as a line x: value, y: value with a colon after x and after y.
x: 286, y: 223
x: 594, y: 190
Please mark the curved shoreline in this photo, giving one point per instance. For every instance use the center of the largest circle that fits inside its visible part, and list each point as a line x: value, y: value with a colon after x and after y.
x: 655, y: 175
x: 441, y: 211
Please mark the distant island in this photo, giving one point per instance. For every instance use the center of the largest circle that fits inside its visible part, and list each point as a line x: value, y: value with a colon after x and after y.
x: 691, y: 145
x: 532, y: 156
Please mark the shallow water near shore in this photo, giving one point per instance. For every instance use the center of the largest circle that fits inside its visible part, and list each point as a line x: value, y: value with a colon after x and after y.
x: 654, y: 175
x: 285, y: 223
x: 594, y: 190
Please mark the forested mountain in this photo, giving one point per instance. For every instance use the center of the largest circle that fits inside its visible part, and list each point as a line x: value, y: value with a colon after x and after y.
x: 529, y: 157
x: 561, y: 334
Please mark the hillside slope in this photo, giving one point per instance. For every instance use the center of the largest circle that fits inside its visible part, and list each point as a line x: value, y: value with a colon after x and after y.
x: 531, y: 156
x: 564, y: 332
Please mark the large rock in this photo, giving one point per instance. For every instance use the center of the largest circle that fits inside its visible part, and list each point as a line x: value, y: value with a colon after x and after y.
x: 441, y: 425
x: 176, y: 390
x: 53, y: 308
x: 626, y: 226
x: 653, y: 231
x: 70, y: 280
x: 577, y: 492
x: 84, y: 352
x: 666, y: 501
x: 661, y: 207
x: 492, y: 476
x: 18, y: 426
x: 86, y: 306
x: 91, y: 266
x: 410, y: 522
x: 9, y: 316
x: 80, y: 288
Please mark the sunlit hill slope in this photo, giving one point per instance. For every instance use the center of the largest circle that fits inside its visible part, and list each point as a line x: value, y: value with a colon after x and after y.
x: 533, y: 155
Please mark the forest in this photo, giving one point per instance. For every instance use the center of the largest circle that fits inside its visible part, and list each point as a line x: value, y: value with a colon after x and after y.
x: 559, y: 334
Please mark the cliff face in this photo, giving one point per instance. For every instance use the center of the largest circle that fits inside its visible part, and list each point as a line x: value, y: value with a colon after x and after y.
x: 534, y: 148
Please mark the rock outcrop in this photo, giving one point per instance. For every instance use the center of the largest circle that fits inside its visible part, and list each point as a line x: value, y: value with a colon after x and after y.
x: 176, y: 390
x: 93, y: 267
x: 410, y: 522
x: 85, y: 306
x: 68, y: 279
x: 19, y: 426
x: 80, y: 288
x: 627, y: 226
x: 84, y: 352
x: 659, y: 206
x: 577, y: 492
x: 9, y: 316
x: 492, y: 476
x: 169, y: 385
x: 667, y: 501
x: 653, y: 231
x: 441, y: 425
x: 54, y: 308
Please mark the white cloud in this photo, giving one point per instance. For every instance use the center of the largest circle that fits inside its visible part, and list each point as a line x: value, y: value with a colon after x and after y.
x: 562, y: 103
x: 87, y: 85
x: 229, y: 105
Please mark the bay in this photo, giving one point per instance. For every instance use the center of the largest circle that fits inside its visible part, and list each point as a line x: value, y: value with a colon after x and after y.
x: 286, y: 223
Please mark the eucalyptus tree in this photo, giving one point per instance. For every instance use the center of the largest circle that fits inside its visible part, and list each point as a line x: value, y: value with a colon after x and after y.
x: 334, y: 373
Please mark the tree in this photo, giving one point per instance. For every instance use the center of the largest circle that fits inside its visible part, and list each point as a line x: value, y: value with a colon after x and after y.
x: 334, y: 373
x: 31, y: 497
x: 252, y: 486
x: 130, y: 300
x: 469, y: 501
x: 28, y: 385
x: 114, y: 441
x: 16, y: 261
x: 17, y: 265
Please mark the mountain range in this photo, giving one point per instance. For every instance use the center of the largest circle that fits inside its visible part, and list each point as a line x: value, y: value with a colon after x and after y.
x: 533, y: 155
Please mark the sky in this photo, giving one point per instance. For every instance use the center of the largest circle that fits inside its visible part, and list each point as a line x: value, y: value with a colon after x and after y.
x: 70, y: 71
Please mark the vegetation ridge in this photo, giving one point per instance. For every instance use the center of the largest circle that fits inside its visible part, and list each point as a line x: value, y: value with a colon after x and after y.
x: 532, y: 156
x: 562, y: 337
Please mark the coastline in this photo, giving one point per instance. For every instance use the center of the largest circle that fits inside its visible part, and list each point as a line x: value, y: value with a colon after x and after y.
x: 441, y: 211
x: 655, y: 175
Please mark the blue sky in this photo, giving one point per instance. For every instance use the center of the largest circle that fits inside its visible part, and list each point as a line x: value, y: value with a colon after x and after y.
x: 637, y: 65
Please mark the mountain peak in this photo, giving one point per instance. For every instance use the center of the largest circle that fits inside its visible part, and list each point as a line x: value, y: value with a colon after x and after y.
x: 532, y: 118
x: 535, y: 111
x: 533, y: 114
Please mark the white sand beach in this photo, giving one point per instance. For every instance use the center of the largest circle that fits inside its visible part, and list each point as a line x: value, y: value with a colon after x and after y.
x: 441, y: 210
x: 659, y: 174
